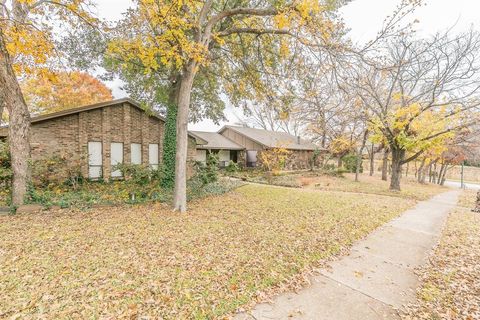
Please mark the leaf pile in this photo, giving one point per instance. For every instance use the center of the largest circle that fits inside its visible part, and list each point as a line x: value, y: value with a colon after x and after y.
x: 147, y: 261
x: 451, y: 281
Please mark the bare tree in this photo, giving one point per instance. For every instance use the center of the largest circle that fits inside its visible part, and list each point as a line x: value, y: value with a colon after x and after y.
x: 439, y: 74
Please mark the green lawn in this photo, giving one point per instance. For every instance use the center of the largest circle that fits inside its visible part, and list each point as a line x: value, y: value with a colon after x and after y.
x: 144, y: 260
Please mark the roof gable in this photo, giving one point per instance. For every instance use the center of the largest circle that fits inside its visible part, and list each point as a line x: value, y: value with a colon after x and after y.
x: 89, y: 107
x: 215, y: 140
x: 53, y: 115
x: 273, y: 139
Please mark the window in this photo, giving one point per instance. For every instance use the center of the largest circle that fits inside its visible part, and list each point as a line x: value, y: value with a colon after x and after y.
x: 153, y: 155
x: 136, y: 150
x: 251, y: 158
x: 223, y: 158
x: 201, y: 155
x: 116, y: 157
x: 94, y: 160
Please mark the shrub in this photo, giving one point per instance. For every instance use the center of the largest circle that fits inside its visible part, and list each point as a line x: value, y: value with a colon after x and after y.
x: 56, y: 170
x: 137, y: 174
x: 274, y: 159
x: 208, y: 172
x: 350, y: 162
x: 232, y: 167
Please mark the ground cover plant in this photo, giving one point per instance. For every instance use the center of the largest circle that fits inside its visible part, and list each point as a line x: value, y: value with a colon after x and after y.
x: 126, y: 262
x: 450, y: 282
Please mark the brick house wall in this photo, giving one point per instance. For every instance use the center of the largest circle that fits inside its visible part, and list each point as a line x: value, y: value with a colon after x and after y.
x: 121, y: 122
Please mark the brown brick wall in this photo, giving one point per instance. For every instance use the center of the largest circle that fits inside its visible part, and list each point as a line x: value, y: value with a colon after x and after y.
x: 68, y: 135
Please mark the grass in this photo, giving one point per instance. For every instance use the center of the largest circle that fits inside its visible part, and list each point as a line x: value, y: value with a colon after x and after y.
x: 450, y: 283
x: 468, y: 198
x: 372, y: 185
x: 144, y: 260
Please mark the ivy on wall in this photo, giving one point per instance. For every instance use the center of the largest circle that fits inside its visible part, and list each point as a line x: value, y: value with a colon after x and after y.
x: 169, y: 148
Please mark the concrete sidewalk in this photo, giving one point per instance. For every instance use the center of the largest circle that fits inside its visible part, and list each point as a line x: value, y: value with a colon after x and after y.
x: 376, y: 278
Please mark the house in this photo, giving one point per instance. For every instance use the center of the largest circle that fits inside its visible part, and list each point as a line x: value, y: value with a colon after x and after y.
x: 223, y: 147
x: 103, y: 135
x: 244, y: 146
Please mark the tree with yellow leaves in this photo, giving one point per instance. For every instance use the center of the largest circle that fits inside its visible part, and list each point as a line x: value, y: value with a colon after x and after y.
x: 63, y: 91
x: 181, y: 38
x: 418, y: 92
x: 27, y: 46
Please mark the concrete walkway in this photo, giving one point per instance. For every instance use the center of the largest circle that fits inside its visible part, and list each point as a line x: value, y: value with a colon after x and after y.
x: 376, y: 278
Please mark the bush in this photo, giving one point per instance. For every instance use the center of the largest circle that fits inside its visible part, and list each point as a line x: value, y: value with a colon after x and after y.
x: 56, y: 170
x: 196, y: 189
x: 350, y: 162
x: 138, y: 174
x: 232, y: 168
x: 207, y: 173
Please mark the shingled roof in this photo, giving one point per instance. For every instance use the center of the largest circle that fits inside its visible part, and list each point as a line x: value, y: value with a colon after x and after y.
x: 53, y: 115
x: 273, y: 139
x: 215, y: 141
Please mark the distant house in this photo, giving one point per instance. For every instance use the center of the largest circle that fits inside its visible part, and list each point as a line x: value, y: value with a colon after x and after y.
x: 223, y: 147
x: 103, y: 134
x: 244, y: 146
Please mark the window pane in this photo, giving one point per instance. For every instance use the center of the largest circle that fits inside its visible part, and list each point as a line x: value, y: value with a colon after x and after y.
x: 136, y: 153
x: 116, y: 157
x: 94, y: 159
x: 153, y: 155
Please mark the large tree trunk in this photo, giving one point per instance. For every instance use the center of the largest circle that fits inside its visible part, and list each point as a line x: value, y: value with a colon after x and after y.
x: 398, y: 156
x: 440, y: 174
x: 184, y: 95
x: 19, y: 125
x: 385, y: 165
x: 170, y: 133
x: 442, y: 181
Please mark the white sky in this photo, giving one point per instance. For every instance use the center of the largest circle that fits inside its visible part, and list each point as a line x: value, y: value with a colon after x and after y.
x: 363, y: 17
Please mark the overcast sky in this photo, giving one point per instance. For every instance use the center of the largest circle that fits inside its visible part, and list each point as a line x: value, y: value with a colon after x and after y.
x: 363, y: 17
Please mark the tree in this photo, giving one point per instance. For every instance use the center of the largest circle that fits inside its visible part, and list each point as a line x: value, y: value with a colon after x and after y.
x: 418, y: 91
x: 62, y: 91
x: 187, y: 37
x: 27, y: 46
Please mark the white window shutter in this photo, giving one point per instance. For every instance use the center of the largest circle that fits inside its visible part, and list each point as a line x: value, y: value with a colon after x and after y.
x: 136, y: 149
x: 153, y: 155
x: 94, y: 160
x: 116, y: 157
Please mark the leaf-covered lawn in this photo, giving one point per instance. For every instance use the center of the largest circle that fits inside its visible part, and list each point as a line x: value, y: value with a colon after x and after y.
x: 148, y: 261
x: 451, y: 281
x: 374, y: 185
x: 468, y: 198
